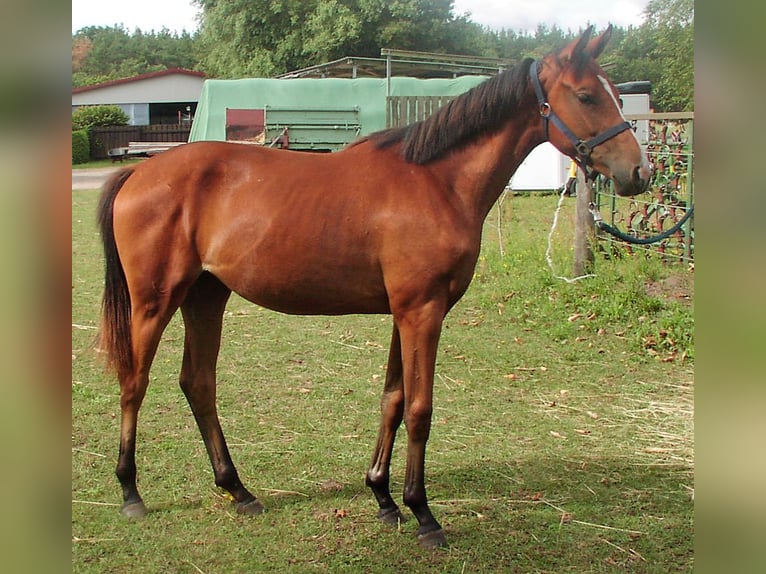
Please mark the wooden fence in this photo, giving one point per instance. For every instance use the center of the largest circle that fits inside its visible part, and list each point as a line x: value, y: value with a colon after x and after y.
x: 102, y: 139
x: 404, y: 110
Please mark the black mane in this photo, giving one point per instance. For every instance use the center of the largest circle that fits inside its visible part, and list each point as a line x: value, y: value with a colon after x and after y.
x: 483, y: 109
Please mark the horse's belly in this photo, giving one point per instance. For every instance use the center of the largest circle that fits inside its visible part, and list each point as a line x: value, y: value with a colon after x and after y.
x: 323, y: 289
x: 315, y: 300
x: 317, y: 304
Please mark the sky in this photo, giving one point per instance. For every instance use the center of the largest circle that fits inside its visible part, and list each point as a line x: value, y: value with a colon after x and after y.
x: 179, y: 15
x: 566, y: 14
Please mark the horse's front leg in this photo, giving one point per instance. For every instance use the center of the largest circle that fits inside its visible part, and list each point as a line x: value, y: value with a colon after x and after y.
x: 419, y: 333
x: 391, y: 413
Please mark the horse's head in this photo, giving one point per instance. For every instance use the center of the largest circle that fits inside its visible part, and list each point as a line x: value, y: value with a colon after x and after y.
x: 583, y: 106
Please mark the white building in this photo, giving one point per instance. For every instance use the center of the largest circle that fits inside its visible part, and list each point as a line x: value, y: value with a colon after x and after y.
x: 166, y: 97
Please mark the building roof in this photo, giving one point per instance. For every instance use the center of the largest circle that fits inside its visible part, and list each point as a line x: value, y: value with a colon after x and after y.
x: 147, y: 76
x: 402, y: 63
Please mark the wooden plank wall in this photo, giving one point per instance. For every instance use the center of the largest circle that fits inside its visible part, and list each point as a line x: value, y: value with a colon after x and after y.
x: 404, y: 110
x: 102, y: 139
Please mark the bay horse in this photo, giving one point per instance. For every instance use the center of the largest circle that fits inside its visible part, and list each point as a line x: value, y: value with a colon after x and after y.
x: 389, y: 225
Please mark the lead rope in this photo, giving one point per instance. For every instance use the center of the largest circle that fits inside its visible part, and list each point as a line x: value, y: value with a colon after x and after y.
x: 550, y: 242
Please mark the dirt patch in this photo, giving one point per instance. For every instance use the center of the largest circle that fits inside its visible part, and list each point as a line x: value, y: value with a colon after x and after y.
x: 676, y: 287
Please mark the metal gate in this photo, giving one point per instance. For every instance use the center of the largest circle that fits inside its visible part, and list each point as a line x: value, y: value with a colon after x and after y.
x: 671, y: 193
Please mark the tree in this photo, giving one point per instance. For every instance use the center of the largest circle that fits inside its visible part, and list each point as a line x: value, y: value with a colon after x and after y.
x: 241, y: 38
x: 267, y: 37
x: 107, y: 53
x: 330, y: 28
x: 661, y: 50
x: 81, y: 47
x: 515, y: 46
x: 250, y: 38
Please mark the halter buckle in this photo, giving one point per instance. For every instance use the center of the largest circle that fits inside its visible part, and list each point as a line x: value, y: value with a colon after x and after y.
x: 583, y: 149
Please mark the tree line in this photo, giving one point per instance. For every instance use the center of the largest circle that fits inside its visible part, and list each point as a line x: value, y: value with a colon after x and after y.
x: 262, y: 38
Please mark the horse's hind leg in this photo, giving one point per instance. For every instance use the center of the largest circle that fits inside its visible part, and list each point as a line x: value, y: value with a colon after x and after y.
x: 203, y: 317
x: 147, y: 324
x: 132, y: 391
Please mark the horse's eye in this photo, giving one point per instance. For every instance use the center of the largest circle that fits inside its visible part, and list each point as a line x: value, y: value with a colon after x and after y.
x: 586, y: 99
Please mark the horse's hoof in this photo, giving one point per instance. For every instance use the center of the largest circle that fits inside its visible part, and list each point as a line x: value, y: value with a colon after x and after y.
x: 250, y: 508
x: 392, y: 516
x: 433, y: 539
x: 134, y: 509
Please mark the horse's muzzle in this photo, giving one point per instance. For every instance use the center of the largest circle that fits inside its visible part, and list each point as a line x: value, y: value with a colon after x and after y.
x: 637, y: 182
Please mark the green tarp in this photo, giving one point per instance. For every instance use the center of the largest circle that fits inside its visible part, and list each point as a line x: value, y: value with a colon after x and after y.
x: 367, y: 94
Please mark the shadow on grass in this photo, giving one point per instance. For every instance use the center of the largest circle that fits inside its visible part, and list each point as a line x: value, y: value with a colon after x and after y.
x: 536, y: 512
x: 522, y: 515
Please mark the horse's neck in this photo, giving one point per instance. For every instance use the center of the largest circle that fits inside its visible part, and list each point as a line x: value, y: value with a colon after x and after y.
x: 481, y: 170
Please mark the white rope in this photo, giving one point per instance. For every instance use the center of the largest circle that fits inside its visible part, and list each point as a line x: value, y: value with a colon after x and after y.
x: 550, y: 240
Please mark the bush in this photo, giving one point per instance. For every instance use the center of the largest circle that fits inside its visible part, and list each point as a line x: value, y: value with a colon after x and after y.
x: 89, y: 116
x: 80, y: 147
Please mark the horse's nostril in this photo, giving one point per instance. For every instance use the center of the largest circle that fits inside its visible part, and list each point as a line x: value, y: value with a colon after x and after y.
x: 642, y: 174
x: 646, y: 171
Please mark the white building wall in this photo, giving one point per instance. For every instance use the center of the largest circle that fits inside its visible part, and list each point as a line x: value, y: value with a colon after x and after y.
x: 176, y: 88
x: 134, y: 97
x: 165, y: 89
x: 545, y: 168
x: 637, y: 104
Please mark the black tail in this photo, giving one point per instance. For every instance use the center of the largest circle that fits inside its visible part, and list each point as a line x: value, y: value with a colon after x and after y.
x: 114, y: 338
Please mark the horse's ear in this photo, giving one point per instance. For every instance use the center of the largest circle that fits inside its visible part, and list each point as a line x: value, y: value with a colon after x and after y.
x: 596, y: 45
x: 577, y: 51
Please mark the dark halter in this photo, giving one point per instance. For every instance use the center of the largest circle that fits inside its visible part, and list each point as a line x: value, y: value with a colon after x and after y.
x: 582, y: 147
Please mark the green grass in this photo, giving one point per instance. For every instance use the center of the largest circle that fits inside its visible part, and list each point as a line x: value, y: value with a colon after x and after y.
x: 97, y: 163
x: 562, y: 435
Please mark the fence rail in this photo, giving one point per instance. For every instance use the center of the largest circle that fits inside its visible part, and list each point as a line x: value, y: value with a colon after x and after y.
x: 102, y: 139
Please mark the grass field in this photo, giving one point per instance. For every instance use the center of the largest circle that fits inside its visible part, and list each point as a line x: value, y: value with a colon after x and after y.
x: 562, y: 436
x: 97, y: 163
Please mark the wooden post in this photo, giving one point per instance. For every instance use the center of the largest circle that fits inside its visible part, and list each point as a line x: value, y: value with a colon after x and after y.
x: 585, y: 230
